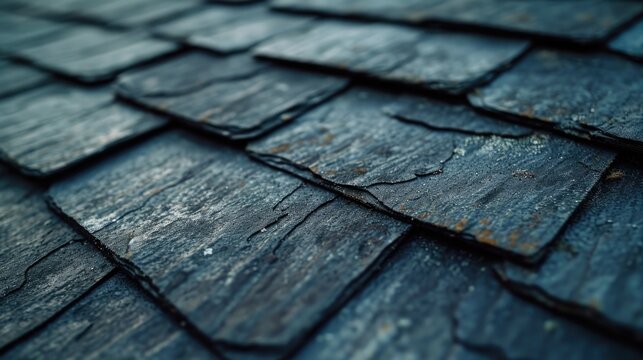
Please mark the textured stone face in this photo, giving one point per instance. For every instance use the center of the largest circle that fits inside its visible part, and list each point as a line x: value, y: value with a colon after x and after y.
x: 596, y: 268
x: 450, y: 62
x: 45, y: 264
x: 448, y: 301
x: 456, y: 181
x: 592, y: 96
x: 250, y: 255
x: 235, y: 97
x: 15, y: 78
x: 47, y: 130
x: 630, y: 42
x: 579, y: 21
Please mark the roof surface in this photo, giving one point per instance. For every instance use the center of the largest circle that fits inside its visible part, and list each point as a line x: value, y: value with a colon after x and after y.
x: 321, y: 179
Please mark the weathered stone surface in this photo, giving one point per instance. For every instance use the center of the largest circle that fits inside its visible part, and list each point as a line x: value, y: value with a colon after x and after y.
x: 248, y: 254
x: 113, y: 321
x: 46, y: 130
x: 630, y: 42
x: 582, y: 21
x: 45, y: 266
x: 15, y: 78
x: 450, y: 62
x: 596, y: 268
x: 511, y: 191
x: 226, y: 29
x: 592, y: 96
x: 21, y: 31
x: 235, y: 97
x: 437, y: 302
x: 92, y: 54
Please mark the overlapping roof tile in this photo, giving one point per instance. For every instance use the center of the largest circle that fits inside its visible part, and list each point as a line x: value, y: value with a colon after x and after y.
x: 16, y: 77
x: 630, y: 42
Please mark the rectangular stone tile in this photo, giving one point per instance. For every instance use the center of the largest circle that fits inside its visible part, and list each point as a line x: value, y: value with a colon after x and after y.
x: 579, y: 21
x: 249, y: 255
x: 92, y: 54
x: 22, y: 31
x: 15, y: 78
x: 630, y: 42
x: 226, y: 29
x: 505, y: 188
x: 451, y: 62
x: 45, y: 264
x: 592, y: 96
x: 595, y: 270
x: 432, y: 301
x: 48, y: 129
x: 235, y: 97
x: 114, y: 321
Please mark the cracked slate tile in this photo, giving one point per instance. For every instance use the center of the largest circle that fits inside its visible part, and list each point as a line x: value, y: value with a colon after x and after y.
x: 579, y: 21
x: 596, y: 268
x: 595, y: 96
x: 225, y: 29
x: 251, y: 256
x: 15, y: 78
x: 235, y: 97
x: 128, y: 13
x: 45, y: 264
x: 435, y: 301
x: 630, y: 42
x: 91, y: 54
x: 48, y: 129
x: 114, y: 321
x: 509, y: 192
x: 451, y: 62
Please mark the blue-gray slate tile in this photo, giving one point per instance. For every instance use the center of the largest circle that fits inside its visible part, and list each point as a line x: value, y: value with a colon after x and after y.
x: 432, y: 301
x: 114, y: 321
x: 235, y: 97
x: 225, y: 29
x: 592, y: 96
x: 439, y: 61
x: 596, y: 268
x: 579, y: 21
x: 499, y: 186
x: 22, y: 31
x: 630, y: 42
x: 46, y: 130
x: 45, y: 264
x: 251, y: 256
x: 15, y: 78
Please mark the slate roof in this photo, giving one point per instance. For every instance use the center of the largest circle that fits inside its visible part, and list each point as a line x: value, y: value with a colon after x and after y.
x: 321, y: 179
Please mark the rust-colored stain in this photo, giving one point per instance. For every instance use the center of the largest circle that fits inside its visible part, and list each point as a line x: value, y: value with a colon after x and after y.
x: 484, y: 236
x: 280, y: 148
x: 528, y: 247
x: 528, y: 113
x: 615, y: 174
x: 360, y: 170
x: 513, y: 237
x: 461, y: 224
x: 423, y: 215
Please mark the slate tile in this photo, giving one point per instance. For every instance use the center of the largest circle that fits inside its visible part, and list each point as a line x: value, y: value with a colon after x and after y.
x: 235, y: 97
x: 593, y: 96
x: 596, y: 268
x: 579, y: 21
x: 45, y: 265
x: 630, y: 42
x: 251, y: 256
x: 508, y: 192
x: 91, y: 54
x: 15, y: 78
x: 22, y: 31
x: 438, y: 302
x: 226, y: 29
x: 114, y: 321
x: 450, y: 62
x: 48, y: 129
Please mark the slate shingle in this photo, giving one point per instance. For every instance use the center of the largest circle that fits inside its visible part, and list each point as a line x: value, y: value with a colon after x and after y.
x: 22, y: 31
x: 438, y: 302
x: 450, y: 62
x: 45, y: 265
x: 452, y: 180
x: 235, y: 97
x: 48, y: 129
x: 630, y: 42
x: 596, y: 268
x: 594, y: 96
x: 251, y: 256
x: 226, y: 29
x: 114, y: 321
x: 15, y: 78
x: 581, y: 21
x: 91, y: 54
